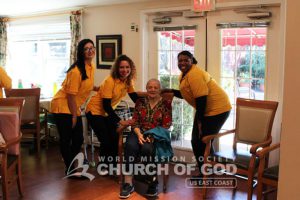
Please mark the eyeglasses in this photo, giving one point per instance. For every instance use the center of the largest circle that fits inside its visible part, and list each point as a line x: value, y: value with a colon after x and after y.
x: 89, y: 49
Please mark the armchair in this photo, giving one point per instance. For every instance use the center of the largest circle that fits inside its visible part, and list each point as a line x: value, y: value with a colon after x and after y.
x: 254, y: 121
x: 266, y: 176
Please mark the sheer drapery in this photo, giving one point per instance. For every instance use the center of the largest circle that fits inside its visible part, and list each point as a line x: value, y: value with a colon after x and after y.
x: 75, y: 23
x: 3, y: 40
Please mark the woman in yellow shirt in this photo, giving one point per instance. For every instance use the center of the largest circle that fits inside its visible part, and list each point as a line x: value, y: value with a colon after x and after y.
x: 5, y: 81
x: 65, y: 104
x: 202, y: 92
x: 100, y: 110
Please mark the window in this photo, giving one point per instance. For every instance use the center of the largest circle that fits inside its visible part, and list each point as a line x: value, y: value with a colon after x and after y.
x: 39, y: 52
x: 243, y: 67
x: 170, y: 44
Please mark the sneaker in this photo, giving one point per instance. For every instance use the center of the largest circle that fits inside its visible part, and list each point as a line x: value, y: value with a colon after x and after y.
x: 126, y: 191
x: 152, y: 190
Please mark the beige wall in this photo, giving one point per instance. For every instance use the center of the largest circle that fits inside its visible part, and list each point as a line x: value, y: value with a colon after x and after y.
x: 116, y: 19
x: 289, y: 176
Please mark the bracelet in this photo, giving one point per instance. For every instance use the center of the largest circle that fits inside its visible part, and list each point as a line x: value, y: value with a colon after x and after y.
x: 74, y: 116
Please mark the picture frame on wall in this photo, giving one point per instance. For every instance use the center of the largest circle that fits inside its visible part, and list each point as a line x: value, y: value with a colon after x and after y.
x: 108, y: 48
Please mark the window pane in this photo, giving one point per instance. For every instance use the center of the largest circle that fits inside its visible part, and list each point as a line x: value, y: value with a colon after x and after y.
x: 174, y: 82
x: 258, y: 87
x: 168, y: 75
x: 228, y: 85
x: 175, y: 70
x: 176, y: 135
x: 164, y: 40
x: 258, y: 64
x: 188, y: 117
x: 189, y: 40
x: 228, y: 41
x: 164, y: 62
x: 259, y: 39
x: 176, y: 40
x: 187, y: 136
x: 243, y: 64
x: 228, y: 63
x: 164, y: 81
x: 39, y: 52
x: 177, y: 111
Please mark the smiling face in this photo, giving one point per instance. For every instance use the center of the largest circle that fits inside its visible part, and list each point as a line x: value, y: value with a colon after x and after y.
x: 153, y: 89
x: 89, y: 51
x: 124, y: 69
x: 184, y: 63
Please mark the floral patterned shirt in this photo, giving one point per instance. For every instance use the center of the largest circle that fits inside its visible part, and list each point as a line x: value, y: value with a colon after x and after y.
x: 146, y: 118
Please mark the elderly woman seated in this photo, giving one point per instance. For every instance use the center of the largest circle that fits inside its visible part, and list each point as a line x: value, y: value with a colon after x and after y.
x: 150, y: 113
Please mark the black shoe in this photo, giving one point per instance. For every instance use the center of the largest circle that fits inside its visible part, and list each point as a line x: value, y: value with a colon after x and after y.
x: 152, y: 190
x: 126, y: 191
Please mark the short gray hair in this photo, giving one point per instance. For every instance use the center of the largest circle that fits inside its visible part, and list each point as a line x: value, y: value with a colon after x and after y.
x: 154, y: 80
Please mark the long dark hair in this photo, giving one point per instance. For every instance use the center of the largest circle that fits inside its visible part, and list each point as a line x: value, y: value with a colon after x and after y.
x: 115, y: 68
x: 188, y: 54
x: 80, y: 58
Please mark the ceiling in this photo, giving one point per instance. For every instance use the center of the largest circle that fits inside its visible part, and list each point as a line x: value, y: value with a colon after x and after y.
x: 16, y: 8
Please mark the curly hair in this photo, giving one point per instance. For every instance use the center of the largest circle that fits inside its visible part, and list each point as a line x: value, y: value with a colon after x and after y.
x: 188, y: 54
x: 115, y: 69
x: 80, y: 58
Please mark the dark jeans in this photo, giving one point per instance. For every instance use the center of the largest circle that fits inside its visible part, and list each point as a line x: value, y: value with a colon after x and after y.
x: 209, y: 126
x: 106, y: 133
x: 70, y: 138
x: 134, y: 152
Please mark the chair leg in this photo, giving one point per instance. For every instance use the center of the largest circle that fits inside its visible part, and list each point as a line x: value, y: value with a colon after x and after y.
x: 38, y: 143
x: 4, y: 180
x: 250, y: 187
x: 165, y: 182
x: 259, y: 190
x: 19, y: 177
x: 46, y: 135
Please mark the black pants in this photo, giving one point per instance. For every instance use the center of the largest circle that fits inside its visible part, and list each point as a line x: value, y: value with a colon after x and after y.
x: 70, y: 138
x: 210, y: 125
x: 134, y: 152
x: 106, y: 133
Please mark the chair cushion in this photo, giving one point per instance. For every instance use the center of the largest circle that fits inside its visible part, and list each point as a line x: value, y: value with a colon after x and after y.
x: 271, y: 172
x: 239, y: 157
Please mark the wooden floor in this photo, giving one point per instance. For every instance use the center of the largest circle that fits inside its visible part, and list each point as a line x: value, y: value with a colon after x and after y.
x: 43, y: 180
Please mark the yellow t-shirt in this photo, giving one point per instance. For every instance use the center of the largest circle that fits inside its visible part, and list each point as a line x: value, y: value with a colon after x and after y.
x: 73, y: 85
x: 110, y: 88
x: 5, y: 81
x: 197, y: 83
